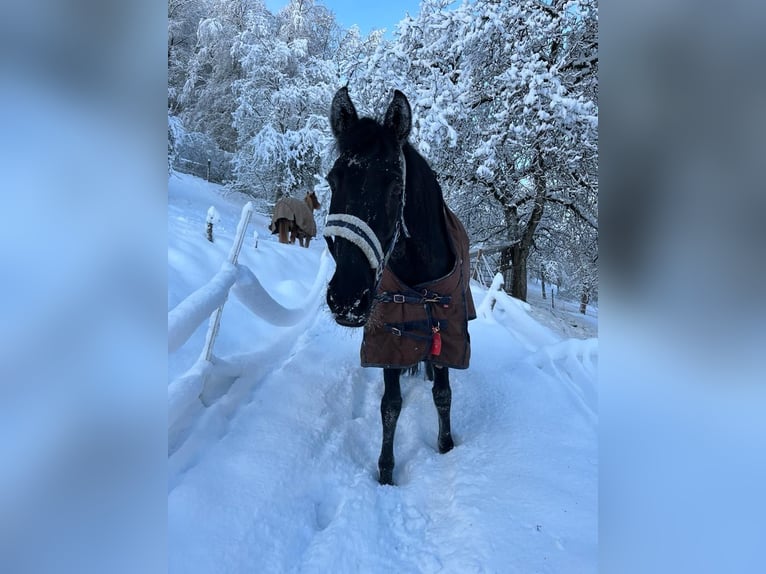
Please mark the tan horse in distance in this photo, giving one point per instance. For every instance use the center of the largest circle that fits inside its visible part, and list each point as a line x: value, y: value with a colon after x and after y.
x: 295, y: 218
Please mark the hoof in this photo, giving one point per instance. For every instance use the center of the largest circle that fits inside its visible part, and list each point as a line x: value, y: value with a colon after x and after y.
x: 386, y: 477
x: 446, y: 444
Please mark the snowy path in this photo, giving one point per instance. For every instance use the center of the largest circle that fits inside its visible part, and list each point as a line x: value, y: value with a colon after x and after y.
x: 279, y: 473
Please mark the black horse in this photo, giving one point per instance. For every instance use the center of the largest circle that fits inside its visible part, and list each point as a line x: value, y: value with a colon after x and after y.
x: 397, y: 248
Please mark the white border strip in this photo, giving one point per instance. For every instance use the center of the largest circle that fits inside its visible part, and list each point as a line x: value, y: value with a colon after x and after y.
x: 353, y: 237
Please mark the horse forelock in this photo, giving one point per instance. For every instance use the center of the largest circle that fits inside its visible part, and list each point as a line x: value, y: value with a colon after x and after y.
x: 367, y: 138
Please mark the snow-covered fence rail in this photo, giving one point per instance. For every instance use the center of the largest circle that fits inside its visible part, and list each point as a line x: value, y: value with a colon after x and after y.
x: 184, y: 319
x: 484, y: 310
x: 252, y: 295
x: 189, y: 314
x: 208, y: 301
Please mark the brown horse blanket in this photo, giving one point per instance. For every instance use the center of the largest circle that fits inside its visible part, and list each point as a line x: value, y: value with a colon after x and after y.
x: 298, y: 212
x: 403, y: 325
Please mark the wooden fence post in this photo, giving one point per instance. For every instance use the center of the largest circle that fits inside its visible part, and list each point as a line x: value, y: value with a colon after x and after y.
x: 212, y: 217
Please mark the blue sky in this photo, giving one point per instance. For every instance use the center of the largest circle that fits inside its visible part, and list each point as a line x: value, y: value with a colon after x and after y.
x: 368, y: 15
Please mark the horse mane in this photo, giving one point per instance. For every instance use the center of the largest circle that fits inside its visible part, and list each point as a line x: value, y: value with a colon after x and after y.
x: 419, y: 173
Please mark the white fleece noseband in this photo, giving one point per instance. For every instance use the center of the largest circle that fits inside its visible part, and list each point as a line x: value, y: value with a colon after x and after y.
x: 353, y: 229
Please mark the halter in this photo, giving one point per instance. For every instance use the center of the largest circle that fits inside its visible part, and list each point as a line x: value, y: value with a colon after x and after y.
x: 356, y: 231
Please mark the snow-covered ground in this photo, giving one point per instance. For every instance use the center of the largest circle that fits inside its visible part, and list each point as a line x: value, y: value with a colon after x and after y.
x: 278, y: 473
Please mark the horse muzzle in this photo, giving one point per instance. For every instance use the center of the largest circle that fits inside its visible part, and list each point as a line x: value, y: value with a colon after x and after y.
x: 350, y: 314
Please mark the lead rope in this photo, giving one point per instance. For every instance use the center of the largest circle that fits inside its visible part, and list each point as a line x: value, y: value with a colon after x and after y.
x: 400, y: 225
x: 404, y: 194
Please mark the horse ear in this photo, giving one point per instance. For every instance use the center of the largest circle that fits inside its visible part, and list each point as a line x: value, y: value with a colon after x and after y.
x: 342, y: 112
x: 399, y: 116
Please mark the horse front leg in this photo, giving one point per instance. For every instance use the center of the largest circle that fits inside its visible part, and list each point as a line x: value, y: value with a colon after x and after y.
x: 442, y: 394
x: 390, y: 407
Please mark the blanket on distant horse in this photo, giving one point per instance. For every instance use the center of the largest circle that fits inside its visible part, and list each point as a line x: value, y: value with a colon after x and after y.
x: 423, y: 322
x: 296, y: 211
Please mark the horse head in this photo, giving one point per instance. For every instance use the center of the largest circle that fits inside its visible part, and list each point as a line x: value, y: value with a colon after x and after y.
x: 366, y: 208
x: 312, y: 201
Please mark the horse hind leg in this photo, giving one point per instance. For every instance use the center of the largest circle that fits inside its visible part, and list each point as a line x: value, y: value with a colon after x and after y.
x: 442, y: 394
x: 429, y: 370
x: 282, y: 226
x: 390, y: 407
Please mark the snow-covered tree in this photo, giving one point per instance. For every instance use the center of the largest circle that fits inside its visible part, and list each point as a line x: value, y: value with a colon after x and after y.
x: 534, y: 116
x: 283, y: 98
x: 504, y: 97
x: 175, y: 134
x: 183, y: 17
x: 207, y: 97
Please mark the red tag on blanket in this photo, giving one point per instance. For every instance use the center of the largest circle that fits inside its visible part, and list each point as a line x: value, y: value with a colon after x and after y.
x: 436, y: 343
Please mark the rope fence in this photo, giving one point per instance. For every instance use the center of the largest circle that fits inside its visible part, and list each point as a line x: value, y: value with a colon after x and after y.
x: 208, y: 302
